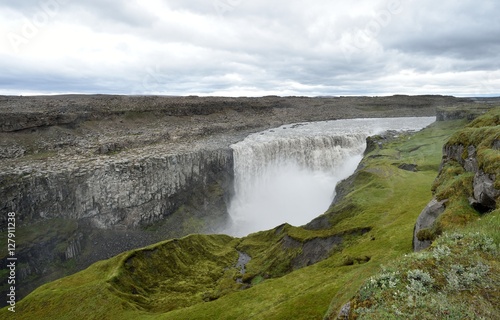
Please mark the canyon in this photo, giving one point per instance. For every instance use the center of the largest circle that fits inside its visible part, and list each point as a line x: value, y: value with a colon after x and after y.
x: 92, y: 176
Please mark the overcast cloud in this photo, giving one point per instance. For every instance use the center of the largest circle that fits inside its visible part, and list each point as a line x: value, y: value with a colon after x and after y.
x: 250, y: 47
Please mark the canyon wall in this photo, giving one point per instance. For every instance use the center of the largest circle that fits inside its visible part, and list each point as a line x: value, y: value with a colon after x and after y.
x: 115, y: 193
x: 71, y: 216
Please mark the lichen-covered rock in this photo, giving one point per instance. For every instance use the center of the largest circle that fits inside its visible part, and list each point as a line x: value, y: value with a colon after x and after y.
x: 470, y: 163
x: 344, y: 311
x: 425, y: 220
x: 485, y: 194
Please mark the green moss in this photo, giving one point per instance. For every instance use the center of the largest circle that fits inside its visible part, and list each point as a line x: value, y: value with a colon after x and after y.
x: 449, y: 171
x: 426, y: 234
x: 256, y: 280
x: 490, y: 119
x: 489, y: 161
x: 456, y: 186
x: 176, y: 273
x: 460, y: 267
x: 454, y: 183
x: 481, y: 133
x: 270, y: 255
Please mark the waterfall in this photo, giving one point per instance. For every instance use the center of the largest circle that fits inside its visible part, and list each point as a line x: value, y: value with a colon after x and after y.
x: 288, y: 174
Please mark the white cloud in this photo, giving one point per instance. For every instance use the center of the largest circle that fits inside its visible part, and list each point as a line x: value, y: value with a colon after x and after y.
x: 243, y: 47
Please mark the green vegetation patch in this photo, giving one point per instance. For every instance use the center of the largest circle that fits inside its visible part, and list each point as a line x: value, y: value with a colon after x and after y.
x: 454, y: 184
x: 176, y: 273
x: 458, y: 278
x: 482, y: 134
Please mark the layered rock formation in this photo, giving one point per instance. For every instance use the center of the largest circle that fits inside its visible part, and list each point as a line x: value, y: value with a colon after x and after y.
x: 116, y: 193
x: 107, y: 206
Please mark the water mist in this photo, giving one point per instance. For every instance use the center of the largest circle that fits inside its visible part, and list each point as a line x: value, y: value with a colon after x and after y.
x: 289, y: 174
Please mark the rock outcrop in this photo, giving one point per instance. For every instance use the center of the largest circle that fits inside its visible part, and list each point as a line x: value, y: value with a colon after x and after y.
x: 463, y: 150
x: 485, y: 194
x: 425, y: 220
x: 484, y: 199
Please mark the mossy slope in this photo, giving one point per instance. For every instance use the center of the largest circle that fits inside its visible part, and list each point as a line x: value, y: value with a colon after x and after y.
x: 454, y: 183
x: 459, y: 276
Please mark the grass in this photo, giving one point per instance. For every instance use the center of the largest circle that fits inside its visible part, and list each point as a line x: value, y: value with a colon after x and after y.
x: 195, y: 278
x: 457, y: 278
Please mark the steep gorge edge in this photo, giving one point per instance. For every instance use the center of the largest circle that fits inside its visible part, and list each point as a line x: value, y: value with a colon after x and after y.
x: 136, y: 281
x: 133, y: 281
x: 82, y: 194
x: 98, y: 212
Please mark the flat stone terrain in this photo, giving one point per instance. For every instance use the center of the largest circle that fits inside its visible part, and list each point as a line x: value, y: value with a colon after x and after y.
x: 45, y: 131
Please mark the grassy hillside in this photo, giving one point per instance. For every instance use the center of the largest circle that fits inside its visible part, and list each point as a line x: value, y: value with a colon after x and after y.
x: 197, y: 277
x: 459, y: 276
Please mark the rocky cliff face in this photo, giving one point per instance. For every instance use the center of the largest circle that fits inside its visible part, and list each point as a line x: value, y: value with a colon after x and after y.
x: 485, y: 194
x: 110, y: 205
x: 463, y: 111
x: 474, y: 151
x: 115, y: 193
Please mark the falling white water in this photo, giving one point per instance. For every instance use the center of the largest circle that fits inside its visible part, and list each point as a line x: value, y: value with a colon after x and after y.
x: 288, y: 174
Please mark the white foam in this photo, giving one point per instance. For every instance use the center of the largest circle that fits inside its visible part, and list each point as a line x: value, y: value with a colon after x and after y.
x: 289, y: 174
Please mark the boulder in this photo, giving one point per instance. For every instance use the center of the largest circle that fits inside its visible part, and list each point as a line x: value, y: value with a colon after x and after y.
x: 485, y: 194
x: 408, y: 167
x: 425, y: 220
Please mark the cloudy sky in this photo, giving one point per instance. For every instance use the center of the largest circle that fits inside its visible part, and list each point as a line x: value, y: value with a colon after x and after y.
x: 250, y: 47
